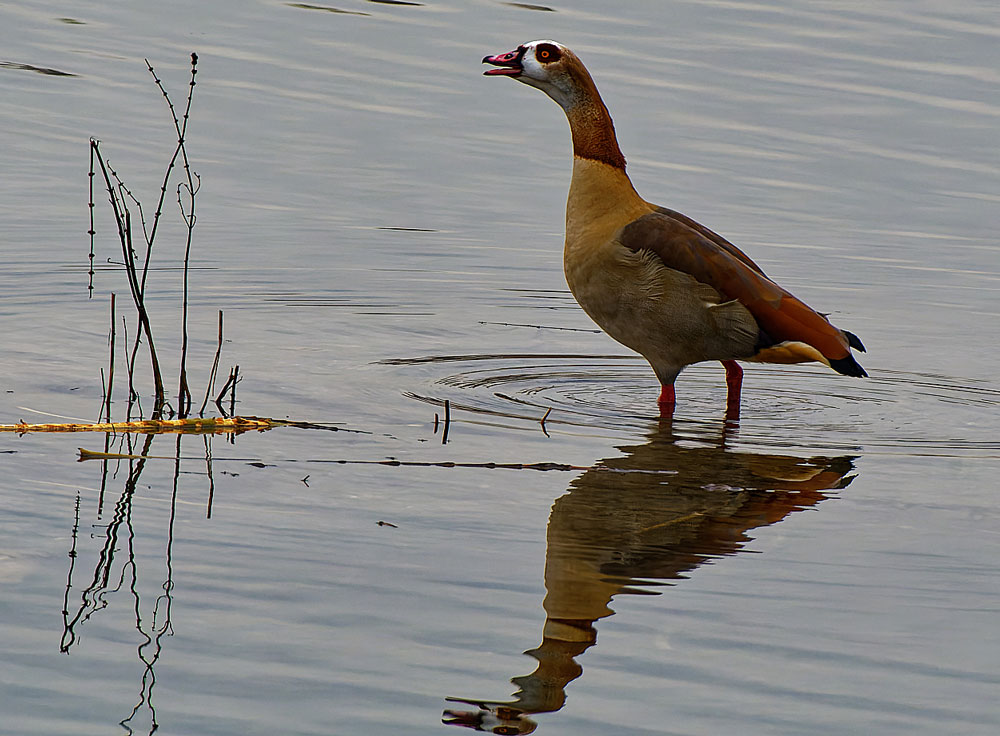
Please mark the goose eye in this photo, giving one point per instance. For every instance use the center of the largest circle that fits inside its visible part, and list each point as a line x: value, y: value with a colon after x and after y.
x: 547, y: 53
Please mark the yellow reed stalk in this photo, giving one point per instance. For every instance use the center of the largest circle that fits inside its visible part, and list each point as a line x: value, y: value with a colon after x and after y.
x: 212, y: 425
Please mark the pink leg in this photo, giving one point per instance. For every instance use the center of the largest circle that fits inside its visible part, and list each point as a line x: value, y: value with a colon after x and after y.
x: 734, y: 381
x: 666, y: 401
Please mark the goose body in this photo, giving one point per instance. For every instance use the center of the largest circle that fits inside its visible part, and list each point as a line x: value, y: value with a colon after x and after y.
x: 654, y: 280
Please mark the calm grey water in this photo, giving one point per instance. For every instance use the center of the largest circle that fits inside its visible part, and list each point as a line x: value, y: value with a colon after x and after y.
x: 378, y: 222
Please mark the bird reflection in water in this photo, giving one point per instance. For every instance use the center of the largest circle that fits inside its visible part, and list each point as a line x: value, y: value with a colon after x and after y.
x: 655, y: 513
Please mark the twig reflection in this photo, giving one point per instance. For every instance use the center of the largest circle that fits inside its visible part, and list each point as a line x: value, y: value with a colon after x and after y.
x: 149, y: 650
x: 109, y: 578
x: 654, y: 514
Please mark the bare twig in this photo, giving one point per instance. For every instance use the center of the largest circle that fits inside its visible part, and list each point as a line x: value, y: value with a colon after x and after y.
x: 178, y: 150
x: 447, y: 422
x: 111, y: 365
x: 92, y: 232
x: 134, y: 400
x: 232, y: 391
x: 230, y: 386
x: 183, y: 391
x: 123, y: 203
x: 123, y: 220
x: 214, y: 372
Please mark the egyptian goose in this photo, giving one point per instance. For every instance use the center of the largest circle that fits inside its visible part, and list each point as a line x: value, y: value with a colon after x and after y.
x: 654, y: 280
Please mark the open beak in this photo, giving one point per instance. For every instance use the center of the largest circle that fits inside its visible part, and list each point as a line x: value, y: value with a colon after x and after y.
x: 467, y: 718
x: 508, y: 65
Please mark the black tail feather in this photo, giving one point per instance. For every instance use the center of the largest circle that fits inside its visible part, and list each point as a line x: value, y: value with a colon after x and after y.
x: 848, y: 366
x: 854, y: 341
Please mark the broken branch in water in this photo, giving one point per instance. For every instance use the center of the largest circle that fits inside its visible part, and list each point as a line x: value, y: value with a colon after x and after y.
x: 192, y: 425
x: 197, y: 425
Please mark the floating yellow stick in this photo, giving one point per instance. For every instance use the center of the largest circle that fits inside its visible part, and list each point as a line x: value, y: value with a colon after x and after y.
x: 211, y: 425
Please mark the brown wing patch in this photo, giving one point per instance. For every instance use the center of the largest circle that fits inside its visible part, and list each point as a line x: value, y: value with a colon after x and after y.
x: 712, y: 236
x: 686, y: 246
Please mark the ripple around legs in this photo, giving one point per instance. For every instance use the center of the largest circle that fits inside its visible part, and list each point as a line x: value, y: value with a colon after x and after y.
x: 894, y: 412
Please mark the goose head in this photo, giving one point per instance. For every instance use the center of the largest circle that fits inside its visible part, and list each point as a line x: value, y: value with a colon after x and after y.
x: 559, y: 73
x: 546, y: 65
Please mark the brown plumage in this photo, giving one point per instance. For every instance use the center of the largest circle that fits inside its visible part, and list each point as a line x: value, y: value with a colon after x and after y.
x: 655, y: 280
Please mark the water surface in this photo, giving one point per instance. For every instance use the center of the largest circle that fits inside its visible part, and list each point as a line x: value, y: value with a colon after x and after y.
x: 382, y: 227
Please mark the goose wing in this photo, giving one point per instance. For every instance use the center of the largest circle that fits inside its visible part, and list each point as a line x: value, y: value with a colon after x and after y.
x: 684, y: 245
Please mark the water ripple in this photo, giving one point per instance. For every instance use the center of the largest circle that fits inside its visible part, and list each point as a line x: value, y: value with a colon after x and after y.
x: 894, y: 412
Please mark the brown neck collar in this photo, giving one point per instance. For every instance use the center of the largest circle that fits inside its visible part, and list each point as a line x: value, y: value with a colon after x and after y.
x: 593, y: 131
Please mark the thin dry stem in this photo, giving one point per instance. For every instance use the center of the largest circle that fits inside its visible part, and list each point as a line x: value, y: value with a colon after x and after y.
x: 214, y: 372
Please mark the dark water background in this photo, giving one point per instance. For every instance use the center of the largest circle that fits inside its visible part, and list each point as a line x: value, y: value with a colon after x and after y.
x: 377, y: 221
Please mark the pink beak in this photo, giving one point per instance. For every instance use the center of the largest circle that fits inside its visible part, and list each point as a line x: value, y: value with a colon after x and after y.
x: 508, y: 64
x: 467, y: 718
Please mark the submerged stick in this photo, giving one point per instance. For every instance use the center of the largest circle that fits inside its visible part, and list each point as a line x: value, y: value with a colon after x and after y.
x: 539, y: 466
x: 542, y: 466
